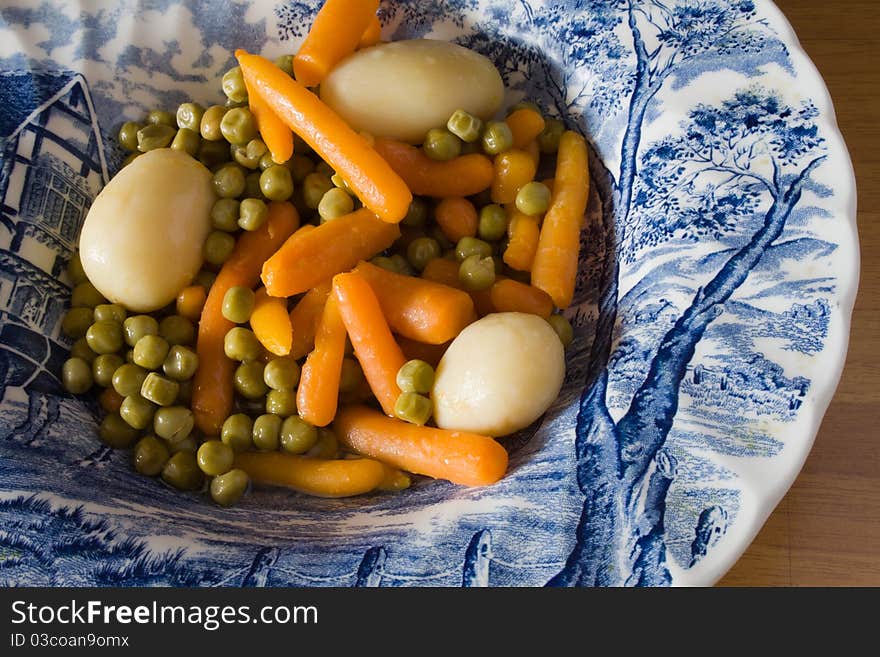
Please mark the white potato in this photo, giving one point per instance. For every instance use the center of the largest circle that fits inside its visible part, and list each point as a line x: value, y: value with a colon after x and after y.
x: 142, y: 239
x: 403, y: 89
x: 499, y: 375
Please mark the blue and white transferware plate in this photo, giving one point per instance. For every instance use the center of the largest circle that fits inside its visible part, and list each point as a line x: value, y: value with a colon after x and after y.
x: 711, y: 317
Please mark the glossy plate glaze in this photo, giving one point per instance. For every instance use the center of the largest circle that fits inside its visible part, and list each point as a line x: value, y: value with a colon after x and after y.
x: 719, y: 269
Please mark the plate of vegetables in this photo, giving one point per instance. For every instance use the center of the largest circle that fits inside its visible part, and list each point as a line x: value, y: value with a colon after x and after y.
x: 353, y: 293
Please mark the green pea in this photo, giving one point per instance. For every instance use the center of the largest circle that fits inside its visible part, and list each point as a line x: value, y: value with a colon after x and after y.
x: 161, y: 117
x: 128, y: 379
x: 110, y: 311
x: 187, y: 444
x: 129, y: 356
x: 238, y: 304
x: 228, y: 488
x: 334, y: 204
x: 150, y: 456
x: 160, y: 390
x: 276, y: 183
x: 105, y: 337
x: 75, y: 271
x: 533, y: 198
x: 86, y: 295
x: 181, y: 363
x: 127, y: 136
x: 413, y: 408
x: 315, y: 185
x: 421, y: 251
x: 229, y: 181
x: 267, y: 432
x: 252, y: 187
x: 116, y: 432
x: 300, y: 166
x: 285, y: 63
x: 465, y: 126
x: 214, y: 457
x: 436, y: 233
x: 186, y: 141
x: 266, y: 161
x: 77, y: 321
x: 218, y: 247
x: 237, y: 432
x: 138, y: 326
x: 205, y: 278
x: 468, y: 246
x: 477, y: 273
x: 150, y: 352
x: 385, y: 263
x: 548, y: 140
x: 252, y: 214
x: 137, y: 412
x: 281, y: 402
x: 417, y: 214
x: 339, y: 182
x: 238, y: 126
x: 233, y: 85
x: 297, y: 435
x: 189, y: 116
x: 104, y: 367
x: 442, y: 145
x: 250, y: 154
x: 323, y: 167
x: 563, y: 329
x: 213, y: 153
x: 497, y: 137
x: 182, y: 471
x: 76, y: 376
x: 281, y: 373
x: 184, y: 395
x: 327, y: 445
x: 416, y: 376
x: 173, y: 423
x: 352, y: 376
x: 241, y: 344
x: 154, y: 136
x: 249, y: 380
x: 177, y: 330
x: 224, y: 215
x: 81, y: 349
x: 493, y: 223
x: 209, y: 127
x: 402, y: 264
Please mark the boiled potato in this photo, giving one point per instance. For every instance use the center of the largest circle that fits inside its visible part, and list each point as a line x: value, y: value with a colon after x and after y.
x: 142, y: 239
x: 499, y: 375
x: 403, y: 89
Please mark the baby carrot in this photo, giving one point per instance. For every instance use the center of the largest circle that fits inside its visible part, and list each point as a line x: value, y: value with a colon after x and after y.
x: 275, y: 133
x: 313, y: 476
x: 525, y: 124
x: 372, y: 35
x: 270, y: 322
x: 304, y: 319
x: 190, y: 302
x: 335, y: 33
x: 523, y: 233
x: 457, y: 217
x: 212, y: 391
x: 461, y: 176
x: 463, y: 458
x: 513, y: 169
x: 379, y: 355
x: 318, y: 389
x: 414, y: 350
x: 370, y: 177
x: 509, y: 295
x: 417, y: 308
x: 309, y: 258
x: 555, y: 266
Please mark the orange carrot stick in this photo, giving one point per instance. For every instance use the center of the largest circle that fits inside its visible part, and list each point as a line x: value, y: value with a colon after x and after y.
x: 212, y: 386
x: 523, y: 233
x: 463, y: 458
x: 513, y: 169
x: 441, y: 270
x: 509, y: 295
x: 275, y: 133
x: 379, y: 355
x: 414, y: 350
x: 334, y: 34
x: 457, y: 217
x: 370, y: 177
x: 372, y: 35
x: 556, y: 260
x: 419, y: 309
x: 304, y: 319
x: 313, y: 476
x: 318, y: 389
x: 461, y: 176
x: 309, y: 258
x: 525, y: 124
x: 270, y: 322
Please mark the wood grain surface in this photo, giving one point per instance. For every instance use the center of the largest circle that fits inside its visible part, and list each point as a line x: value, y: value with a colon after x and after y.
x: 826, y: 531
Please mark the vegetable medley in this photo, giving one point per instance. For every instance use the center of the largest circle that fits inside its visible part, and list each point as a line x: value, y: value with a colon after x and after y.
x: 321, y: 289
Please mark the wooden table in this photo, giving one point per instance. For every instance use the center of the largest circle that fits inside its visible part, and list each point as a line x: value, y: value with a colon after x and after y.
x: 826, y: 531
